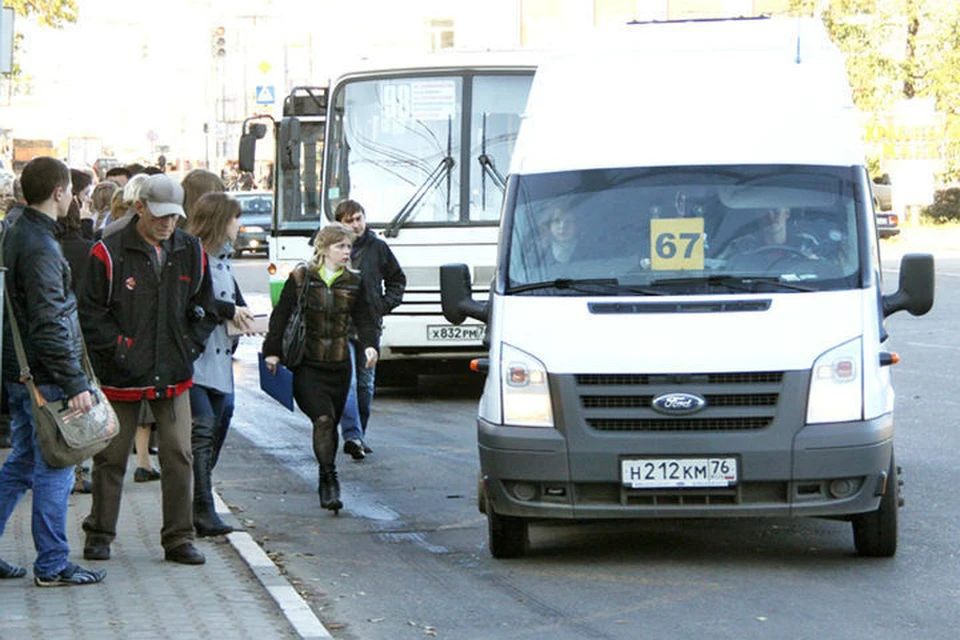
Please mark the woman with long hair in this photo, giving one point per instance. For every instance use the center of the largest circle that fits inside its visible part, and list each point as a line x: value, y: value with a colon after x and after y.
x: 214, y: 220
x: 336, y: 309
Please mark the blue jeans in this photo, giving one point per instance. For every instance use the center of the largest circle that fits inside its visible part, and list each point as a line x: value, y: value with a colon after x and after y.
x: 25, y: 469
x: 211, y: 412
x: 356, y: 413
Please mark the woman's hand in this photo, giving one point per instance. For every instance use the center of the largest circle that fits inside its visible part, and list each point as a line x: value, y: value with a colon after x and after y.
x: 243, y: 318
x: 272, y: 362
x: 372, y: 357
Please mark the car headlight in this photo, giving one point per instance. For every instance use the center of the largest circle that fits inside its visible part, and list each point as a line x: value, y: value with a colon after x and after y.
x: 251, y: 229
x: 836, y: 385
x: 523, y: 385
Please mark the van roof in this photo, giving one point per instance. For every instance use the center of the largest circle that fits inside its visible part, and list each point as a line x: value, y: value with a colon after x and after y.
x: 770, y: 91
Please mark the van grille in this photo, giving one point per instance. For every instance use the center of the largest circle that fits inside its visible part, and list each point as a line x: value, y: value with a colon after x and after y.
x: 736, y: 401
x: 680, y: 424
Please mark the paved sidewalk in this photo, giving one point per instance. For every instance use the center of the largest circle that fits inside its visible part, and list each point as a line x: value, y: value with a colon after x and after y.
x: 144, y: 597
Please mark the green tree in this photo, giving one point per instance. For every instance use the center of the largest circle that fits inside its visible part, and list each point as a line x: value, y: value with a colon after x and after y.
x: 52, y: 13
x: 899, y: 49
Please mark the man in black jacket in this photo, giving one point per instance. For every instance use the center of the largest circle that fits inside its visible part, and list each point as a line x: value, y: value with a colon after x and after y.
x: 45, y: 308
x: 146, y: 312
x: 383, y: 282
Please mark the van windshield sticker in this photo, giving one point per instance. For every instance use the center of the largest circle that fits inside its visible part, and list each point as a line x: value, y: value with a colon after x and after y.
x: 676, y: 244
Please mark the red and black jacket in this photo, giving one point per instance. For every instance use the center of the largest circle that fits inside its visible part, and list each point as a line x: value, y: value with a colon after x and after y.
x: 144, y: 329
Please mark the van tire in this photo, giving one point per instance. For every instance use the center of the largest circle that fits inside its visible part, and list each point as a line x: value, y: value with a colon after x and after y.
x: 875, y: 533
x: 507, y: 536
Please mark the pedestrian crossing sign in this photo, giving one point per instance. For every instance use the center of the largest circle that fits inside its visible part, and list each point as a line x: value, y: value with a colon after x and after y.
x: 265, y: 94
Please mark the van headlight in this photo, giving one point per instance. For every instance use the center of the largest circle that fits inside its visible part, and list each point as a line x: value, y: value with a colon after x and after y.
x: 524, y: 388
x: 836, y: 385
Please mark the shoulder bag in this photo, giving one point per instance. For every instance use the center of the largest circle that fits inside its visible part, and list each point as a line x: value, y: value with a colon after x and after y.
x: 294, y: 339
x: 66, y: 436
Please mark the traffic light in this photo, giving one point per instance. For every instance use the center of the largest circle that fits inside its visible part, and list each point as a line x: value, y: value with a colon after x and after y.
x: 219, y: 42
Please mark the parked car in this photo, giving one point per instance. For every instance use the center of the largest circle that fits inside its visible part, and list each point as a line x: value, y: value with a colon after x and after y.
x: 256, y: 215
x: 888, y: 223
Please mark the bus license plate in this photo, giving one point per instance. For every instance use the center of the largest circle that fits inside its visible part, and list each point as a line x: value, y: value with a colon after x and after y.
x: 451, y: 333
x: 674, y: 473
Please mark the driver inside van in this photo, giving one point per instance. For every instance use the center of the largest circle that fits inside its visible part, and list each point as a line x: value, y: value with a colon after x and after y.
x: 774, y: 235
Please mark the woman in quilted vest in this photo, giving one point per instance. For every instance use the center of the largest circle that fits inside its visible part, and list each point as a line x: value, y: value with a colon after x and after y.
x: 335, y: 308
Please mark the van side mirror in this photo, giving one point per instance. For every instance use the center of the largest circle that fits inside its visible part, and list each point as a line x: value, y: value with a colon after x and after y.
x: 252, y: 131
x: 288, y: 144
x: 456, y: 295
x: 915, y: 292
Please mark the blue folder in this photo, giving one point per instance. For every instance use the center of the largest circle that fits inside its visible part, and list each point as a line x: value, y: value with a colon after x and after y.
x: 279, y: 385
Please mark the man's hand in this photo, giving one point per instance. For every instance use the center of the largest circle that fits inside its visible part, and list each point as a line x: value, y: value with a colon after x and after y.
x: 372, y: 357
x: 272, y: 362
x: 82, y: 401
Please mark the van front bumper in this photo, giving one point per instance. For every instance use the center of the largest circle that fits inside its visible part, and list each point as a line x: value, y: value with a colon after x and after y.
x: 831, y: 470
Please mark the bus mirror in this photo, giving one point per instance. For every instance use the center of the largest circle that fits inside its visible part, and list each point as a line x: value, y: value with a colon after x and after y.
x: 456, y: 295
x: 288, y: 143
x: 252, y: 131
x: 915, y: 292
x: 248, y: 152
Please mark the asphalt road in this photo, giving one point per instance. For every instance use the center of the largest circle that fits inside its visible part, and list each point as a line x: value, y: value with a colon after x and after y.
x: 407, y: 557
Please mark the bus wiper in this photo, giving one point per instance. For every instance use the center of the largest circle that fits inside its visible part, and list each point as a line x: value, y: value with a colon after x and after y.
x: 737, y: 283
x: 442, y: 170
x: 607, y: 285
x: 488, y: 168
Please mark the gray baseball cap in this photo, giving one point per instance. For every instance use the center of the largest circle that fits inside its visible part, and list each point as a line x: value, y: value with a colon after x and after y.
x: 162, y: 195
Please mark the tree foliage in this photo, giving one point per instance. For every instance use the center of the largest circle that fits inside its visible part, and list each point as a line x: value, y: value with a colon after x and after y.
x: 899, y: 49
x: 52, y: 13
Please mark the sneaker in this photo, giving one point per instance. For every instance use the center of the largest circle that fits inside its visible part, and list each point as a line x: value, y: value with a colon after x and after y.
x: 145, y: 475
x: 366, y: 449
x: 8, y: 571
x: 354, y: 448
x: 71, y: 576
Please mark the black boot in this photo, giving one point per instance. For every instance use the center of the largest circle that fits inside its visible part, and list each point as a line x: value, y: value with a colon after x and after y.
x: 329, y: 489
x: 205, y: 518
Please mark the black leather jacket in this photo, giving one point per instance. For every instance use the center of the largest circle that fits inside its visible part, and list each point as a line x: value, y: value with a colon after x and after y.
x: 38, y: 283
x: 333, y: 315
x: 145, y: 329
x: 382, y: 278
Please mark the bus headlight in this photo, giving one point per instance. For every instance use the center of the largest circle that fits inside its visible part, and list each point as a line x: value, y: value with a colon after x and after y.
x: 523, y: 385
x: 836, y: 385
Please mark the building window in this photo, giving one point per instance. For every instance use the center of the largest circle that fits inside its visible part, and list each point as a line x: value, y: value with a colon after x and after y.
x: 439, y: 34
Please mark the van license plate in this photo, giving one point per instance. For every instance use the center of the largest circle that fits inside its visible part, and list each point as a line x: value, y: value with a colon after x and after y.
x: 453, y: 333
x: 674, y: 473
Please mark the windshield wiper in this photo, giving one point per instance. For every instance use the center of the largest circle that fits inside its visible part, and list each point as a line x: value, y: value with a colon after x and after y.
x: 442, y: 170
x: 607, y: 285
x: 488, y: 168
x: 737, y: 283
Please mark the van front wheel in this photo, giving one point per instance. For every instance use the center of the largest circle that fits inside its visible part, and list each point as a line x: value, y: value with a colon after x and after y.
x: 508, y: 537
x: 875, y: 533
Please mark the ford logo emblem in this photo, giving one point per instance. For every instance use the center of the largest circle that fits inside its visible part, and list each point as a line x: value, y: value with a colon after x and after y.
x: 678, y: 403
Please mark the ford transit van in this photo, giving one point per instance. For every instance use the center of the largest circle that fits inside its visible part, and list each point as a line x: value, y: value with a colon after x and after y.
x: 687, y: 316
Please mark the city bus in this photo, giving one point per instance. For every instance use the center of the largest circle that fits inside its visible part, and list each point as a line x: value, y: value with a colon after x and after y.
x: 423, y: 147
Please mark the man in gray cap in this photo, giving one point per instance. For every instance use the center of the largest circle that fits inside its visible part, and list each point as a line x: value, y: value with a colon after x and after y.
x: 146, y: 311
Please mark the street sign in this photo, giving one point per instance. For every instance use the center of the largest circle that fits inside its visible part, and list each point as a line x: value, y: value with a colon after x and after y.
x: 265, y: 94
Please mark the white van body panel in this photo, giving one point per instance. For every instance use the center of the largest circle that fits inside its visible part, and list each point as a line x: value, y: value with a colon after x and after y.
x: 680, y: 95
x: 789, y: 335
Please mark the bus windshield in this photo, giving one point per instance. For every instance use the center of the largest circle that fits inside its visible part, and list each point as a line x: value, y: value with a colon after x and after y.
x: 420, y: 150
x: 684, y: 230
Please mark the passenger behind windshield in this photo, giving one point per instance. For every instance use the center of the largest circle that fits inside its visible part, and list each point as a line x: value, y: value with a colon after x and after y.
x: 560, y: 238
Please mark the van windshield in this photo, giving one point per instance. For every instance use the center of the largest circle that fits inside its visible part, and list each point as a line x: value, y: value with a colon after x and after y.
x: 681, y: 230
